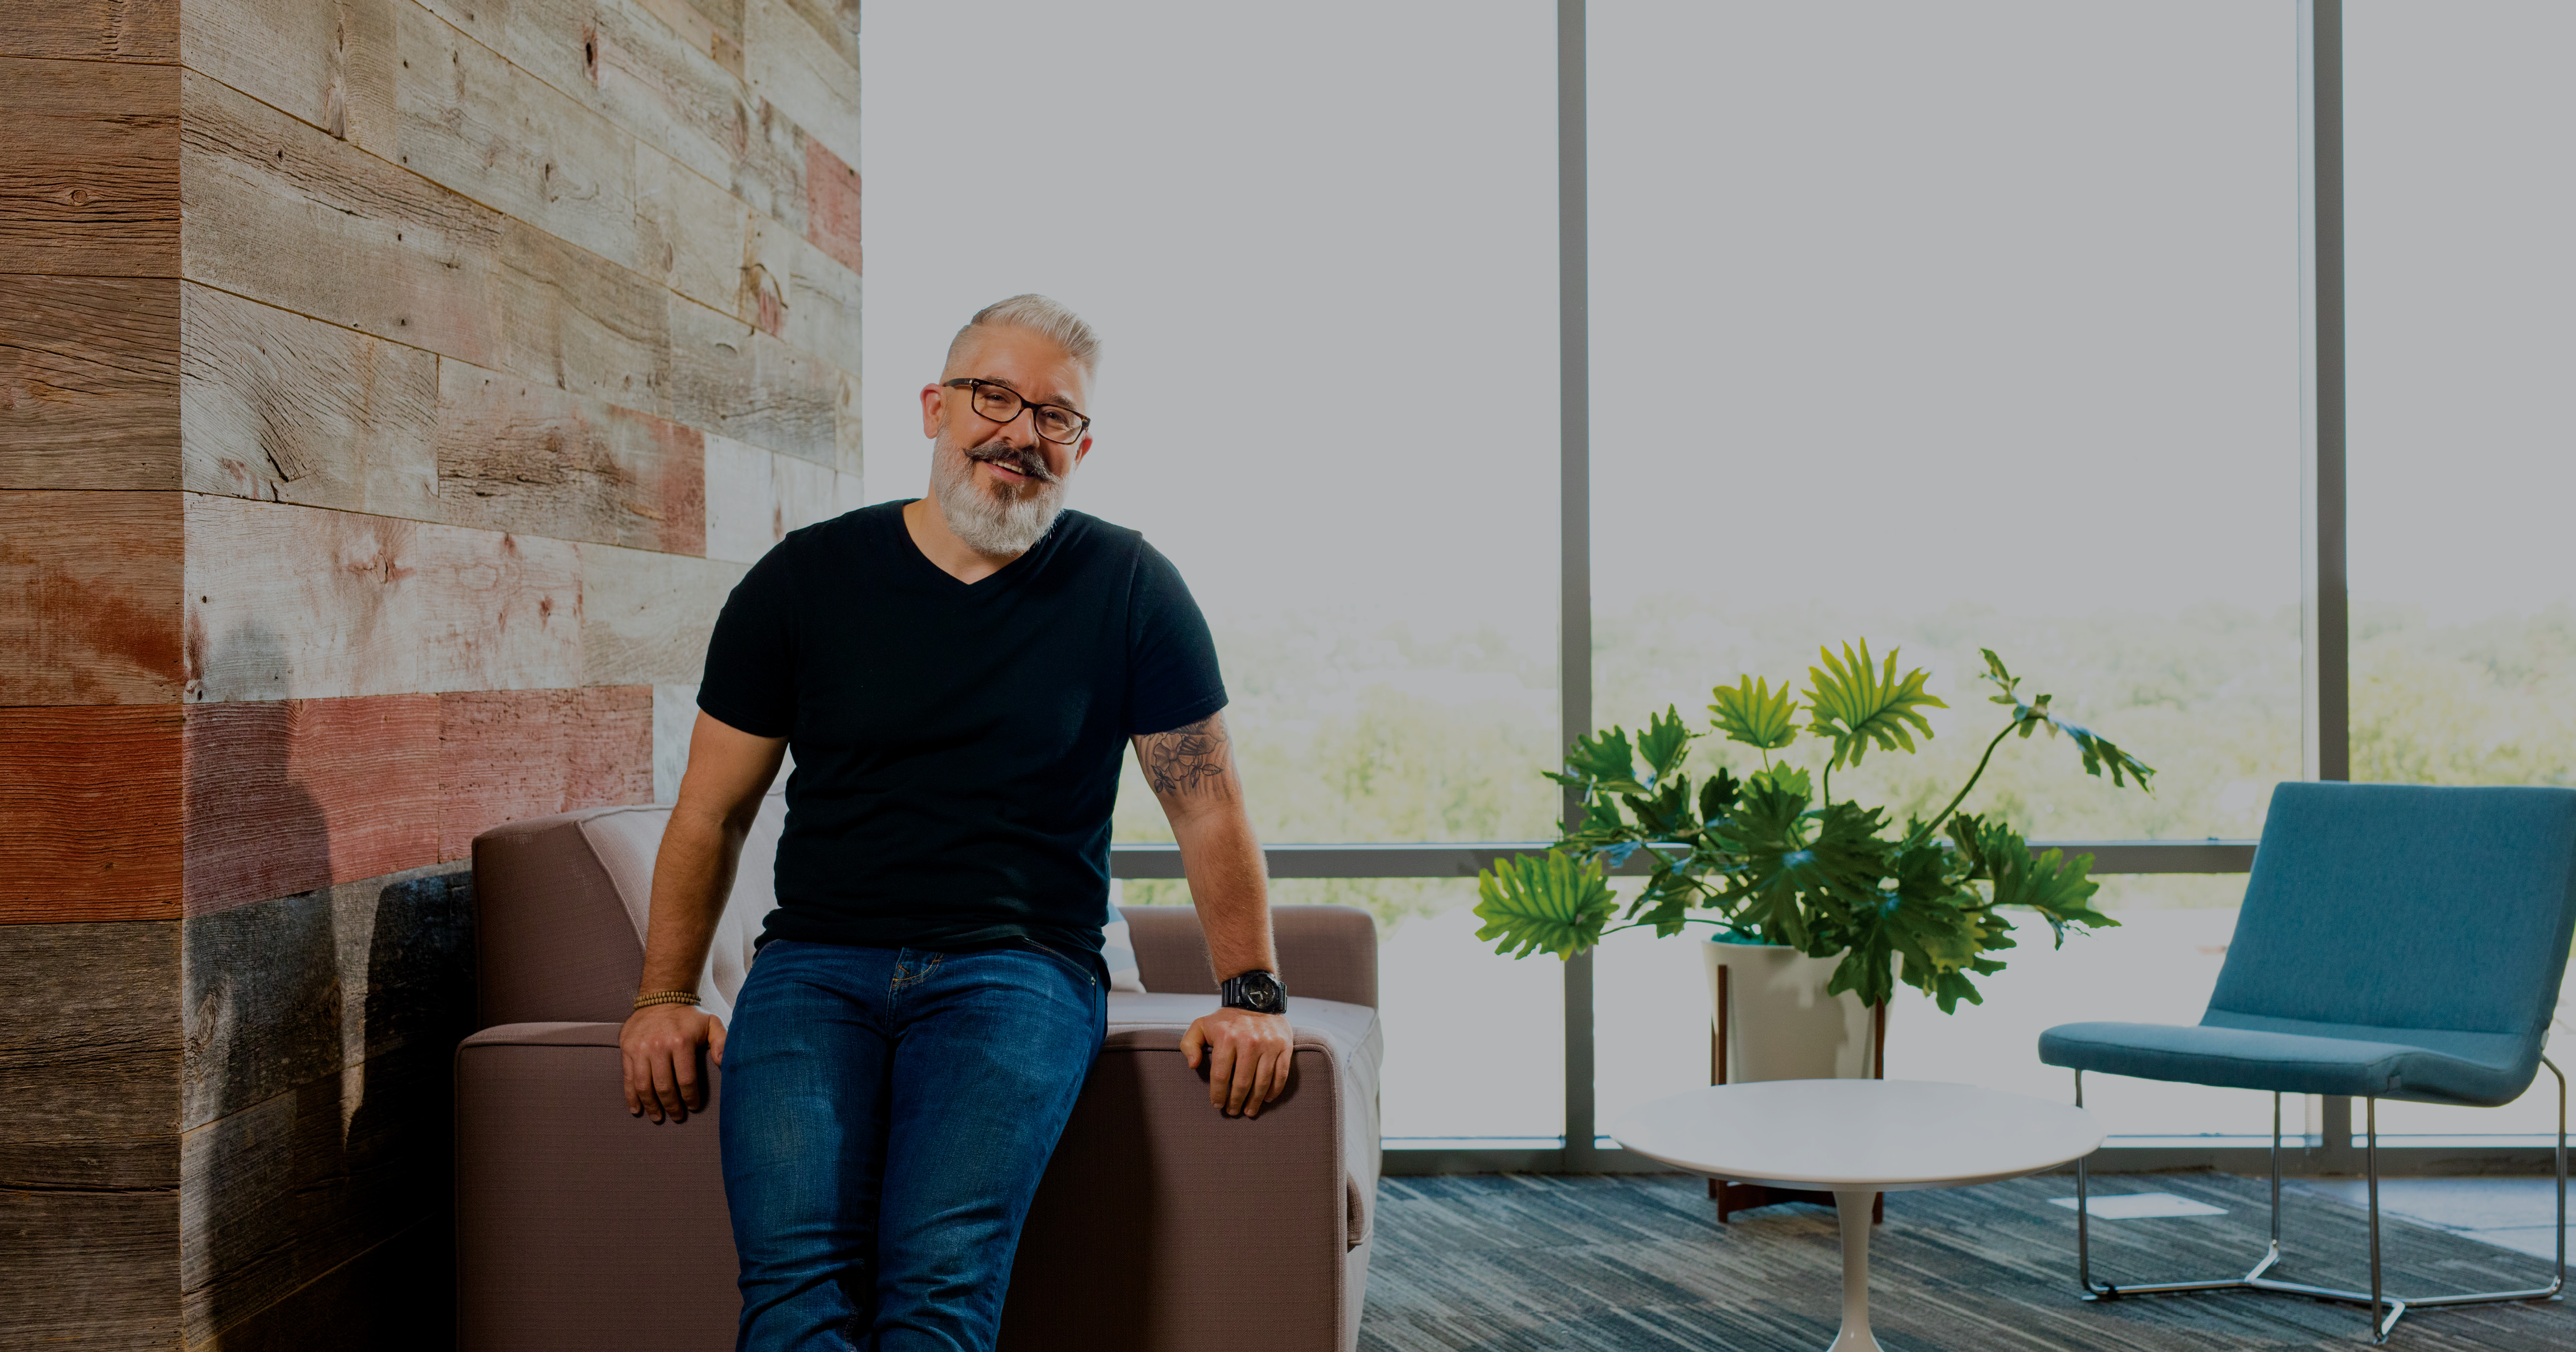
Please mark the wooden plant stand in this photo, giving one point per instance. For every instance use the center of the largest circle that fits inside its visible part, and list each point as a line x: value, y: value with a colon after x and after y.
x: 1735, y: 1197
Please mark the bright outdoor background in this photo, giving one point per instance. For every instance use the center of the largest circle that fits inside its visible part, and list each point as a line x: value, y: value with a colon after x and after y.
x: 1949, y: 327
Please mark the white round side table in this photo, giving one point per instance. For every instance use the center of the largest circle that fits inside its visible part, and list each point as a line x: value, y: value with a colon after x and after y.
x: 1854, y: 1138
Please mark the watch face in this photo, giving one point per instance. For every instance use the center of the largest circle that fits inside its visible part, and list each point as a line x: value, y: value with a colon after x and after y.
x: 1261, y: 990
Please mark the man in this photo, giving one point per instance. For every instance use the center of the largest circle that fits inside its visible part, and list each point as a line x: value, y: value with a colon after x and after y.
x: 957, y: 676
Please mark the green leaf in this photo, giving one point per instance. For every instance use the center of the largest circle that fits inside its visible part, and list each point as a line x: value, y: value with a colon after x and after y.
x: 1996, y: 673
x: 1717, y: 796
x: 1856, y: 706
x: 2100, y: 752
x: 1667, y: 813
x: 1604, y: 759
x: 2050, y: 883
x: 1544, y: 903
x: 1752, y: 713
x: 1664, y: 742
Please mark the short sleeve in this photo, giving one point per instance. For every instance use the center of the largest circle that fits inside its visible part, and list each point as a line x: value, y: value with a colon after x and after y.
x: 1172, y: 658
x: 750, y: 681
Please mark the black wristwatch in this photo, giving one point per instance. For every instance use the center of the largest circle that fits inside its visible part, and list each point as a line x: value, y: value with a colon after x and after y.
x: 1257, y: 991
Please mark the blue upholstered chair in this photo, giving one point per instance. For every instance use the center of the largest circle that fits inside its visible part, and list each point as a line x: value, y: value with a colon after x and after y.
x: 2397, y: 942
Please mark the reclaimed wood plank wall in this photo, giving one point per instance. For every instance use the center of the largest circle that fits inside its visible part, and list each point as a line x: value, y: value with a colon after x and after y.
x: 390, y: 393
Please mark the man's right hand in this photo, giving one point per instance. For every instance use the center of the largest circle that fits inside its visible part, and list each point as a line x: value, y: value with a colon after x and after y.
x: 659, y: 1046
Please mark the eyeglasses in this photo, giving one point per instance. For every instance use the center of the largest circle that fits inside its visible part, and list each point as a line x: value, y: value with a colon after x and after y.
x: 1001, y: 403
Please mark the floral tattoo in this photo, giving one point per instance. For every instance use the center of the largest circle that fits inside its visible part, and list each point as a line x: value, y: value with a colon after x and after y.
x: 1187, y: 760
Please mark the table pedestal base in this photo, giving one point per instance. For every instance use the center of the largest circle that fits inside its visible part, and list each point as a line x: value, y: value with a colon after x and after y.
x: 1853, y: 1209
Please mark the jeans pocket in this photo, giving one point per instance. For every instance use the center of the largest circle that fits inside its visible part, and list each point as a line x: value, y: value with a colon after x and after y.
x: 1090, y: 980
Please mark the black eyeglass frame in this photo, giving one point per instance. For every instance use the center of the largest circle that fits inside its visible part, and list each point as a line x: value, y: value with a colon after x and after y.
x: 975, y: 386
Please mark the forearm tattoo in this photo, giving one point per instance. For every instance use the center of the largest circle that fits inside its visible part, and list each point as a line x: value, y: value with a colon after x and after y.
x: 1187, y: 761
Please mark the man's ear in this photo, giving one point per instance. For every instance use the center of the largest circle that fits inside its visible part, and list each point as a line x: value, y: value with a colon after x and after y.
x: 934, y: 406
x: 1083, y: 449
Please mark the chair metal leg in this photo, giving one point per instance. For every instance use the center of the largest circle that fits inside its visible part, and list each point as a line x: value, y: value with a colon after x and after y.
x: 2376, y: 1298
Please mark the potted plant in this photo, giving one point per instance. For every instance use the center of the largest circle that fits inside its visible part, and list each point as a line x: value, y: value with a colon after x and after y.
x: 1802, y: 886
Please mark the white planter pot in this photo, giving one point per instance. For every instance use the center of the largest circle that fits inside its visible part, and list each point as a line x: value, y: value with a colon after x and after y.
x: 1778, y: 1021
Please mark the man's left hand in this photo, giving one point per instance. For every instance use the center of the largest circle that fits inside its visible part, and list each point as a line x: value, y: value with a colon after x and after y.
x: 1247, y: 1057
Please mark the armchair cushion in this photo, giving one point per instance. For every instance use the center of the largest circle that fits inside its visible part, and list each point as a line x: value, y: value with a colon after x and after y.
x: 2242, y: 1051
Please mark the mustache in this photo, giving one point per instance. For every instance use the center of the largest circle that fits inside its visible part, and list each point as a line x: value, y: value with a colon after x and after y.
x: 1025, y: 459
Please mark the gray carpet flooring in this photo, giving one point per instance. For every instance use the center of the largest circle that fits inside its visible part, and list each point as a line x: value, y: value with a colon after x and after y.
x: 1524, y: 1264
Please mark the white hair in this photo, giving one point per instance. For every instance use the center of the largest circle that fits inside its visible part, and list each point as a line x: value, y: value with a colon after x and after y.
x: 1041, y: 316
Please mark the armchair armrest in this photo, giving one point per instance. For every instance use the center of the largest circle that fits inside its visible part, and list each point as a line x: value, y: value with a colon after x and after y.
x: 1326, y: 952
x: 556, y: 1184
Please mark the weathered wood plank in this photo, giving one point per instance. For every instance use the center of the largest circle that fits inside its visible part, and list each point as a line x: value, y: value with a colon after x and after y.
x: 754, y: 497
x: 832, y: 204
x: 818, y: 304
x: 93, y: 30
x: 518, y: 456
x: 299, y: 602
x: 288, y: 409
x: 710, y: 27
x: 89, y: 382
x: 835, y: 22
x: 288, y: 795
x: 675, y: 721
x: 329, y: 63
x: 848, y: 430
x: 88, y: 1270
x: 280, y: 1194
x: 729, y: 378
x: 89, y: 598
x: 89, y: 813
x: 646, y: 617
x: 282, y: 992
x: 89, y: 174
x: 92, y: 1056
x: 651, y: 81
x: 797, y: 66
x: 392, y: 1298
x: 512, y: 754
x: 689, y: 232
x: 284, y: 214
x: 571, y: 319
x: 473, y: 122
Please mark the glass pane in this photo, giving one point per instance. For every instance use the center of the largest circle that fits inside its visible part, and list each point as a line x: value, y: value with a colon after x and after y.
x: 1959, y: 326
x: 1475, y: 1043
x: 2459, y: 280
x: 1324, y: 271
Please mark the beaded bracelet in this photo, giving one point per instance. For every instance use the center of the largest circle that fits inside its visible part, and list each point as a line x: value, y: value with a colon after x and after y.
x: 666, y: 998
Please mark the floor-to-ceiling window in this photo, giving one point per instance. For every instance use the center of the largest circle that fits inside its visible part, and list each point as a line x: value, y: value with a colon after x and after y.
x: 1959, y: 326
x: 1956, y: 326
x: 1319, y: 243
x: 2463, y: 461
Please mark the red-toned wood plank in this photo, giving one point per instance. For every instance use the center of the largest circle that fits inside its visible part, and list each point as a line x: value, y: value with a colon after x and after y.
x: 89, y: 168
x: 89, y: 382
x: 92, y: 30
x: 505, y: 755
x: 89, y: 598
x: 89, y: 813
x: 285, y: 796
x: 832, y: 204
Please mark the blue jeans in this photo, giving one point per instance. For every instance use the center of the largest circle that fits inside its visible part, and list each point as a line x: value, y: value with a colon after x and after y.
x: 887, y: 1116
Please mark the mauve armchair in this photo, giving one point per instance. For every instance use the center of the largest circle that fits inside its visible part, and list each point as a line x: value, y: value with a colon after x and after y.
x: 580, y: 1226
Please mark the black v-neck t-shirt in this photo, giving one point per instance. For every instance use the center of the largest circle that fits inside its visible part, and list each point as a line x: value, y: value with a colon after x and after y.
x: 957, y: 747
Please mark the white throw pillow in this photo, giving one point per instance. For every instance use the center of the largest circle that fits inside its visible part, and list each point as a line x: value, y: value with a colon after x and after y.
x: 1118, y: 950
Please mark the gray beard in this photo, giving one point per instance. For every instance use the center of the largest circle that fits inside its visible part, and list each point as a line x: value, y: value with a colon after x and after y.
x: 989, y: 523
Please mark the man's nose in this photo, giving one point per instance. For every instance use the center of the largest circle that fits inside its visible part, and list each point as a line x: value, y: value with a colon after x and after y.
x: 1022, y: 429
